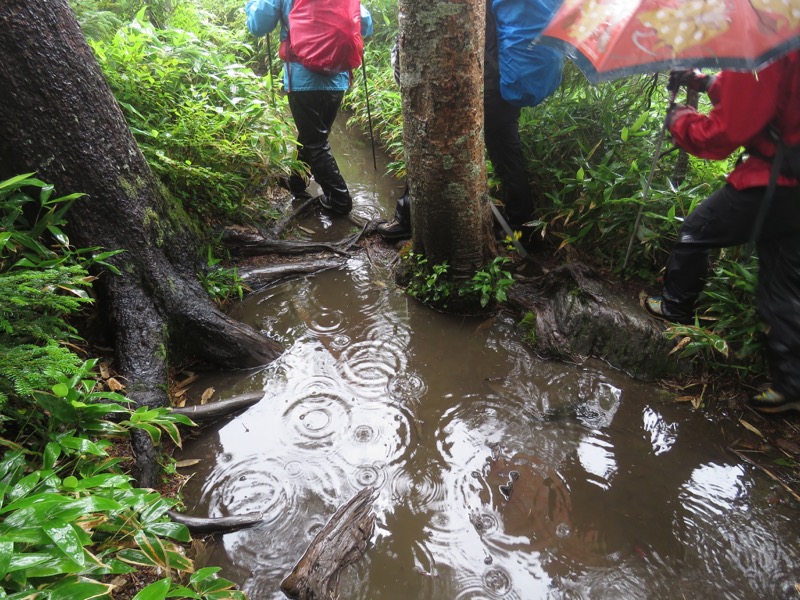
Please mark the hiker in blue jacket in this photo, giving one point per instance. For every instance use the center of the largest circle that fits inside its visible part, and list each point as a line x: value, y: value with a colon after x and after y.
x: 314, y: 100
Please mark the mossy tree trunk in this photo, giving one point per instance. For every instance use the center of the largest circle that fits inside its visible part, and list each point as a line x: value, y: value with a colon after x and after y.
x: 59, y: 119
x: 441, y: 46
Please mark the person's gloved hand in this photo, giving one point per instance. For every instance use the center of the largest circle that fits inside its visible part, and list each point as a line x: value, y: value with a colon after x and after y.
x: 676, y: 112
x: 692, y: 79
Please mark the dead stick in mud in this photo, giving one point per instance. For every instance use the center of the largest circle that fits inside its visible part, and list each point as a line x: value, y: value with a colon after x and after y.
x: 340, y: 543
x: 284, y: 222
x: 769, y: 473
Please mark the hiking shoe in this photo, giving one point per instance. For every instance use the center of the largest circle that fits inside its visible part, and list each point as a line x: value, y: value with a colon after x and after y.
x: 771, y: 401
x: 393, y: 230
x: 656, y: 306
x: 328, y: 205
x: 296, y: 192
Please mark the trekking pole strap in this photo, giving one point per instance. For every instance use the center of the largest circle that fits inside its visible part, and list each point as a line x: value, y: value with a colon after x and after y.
x: 763, y: 210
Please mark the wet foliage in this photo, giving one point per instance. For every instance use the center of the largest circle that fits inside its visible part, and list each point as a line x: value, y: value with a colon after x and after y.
x: 72, y: 523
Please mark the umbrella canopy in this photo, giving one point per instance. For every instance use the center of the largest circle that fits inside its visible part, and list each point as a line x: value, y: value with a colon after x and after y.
x: 612, y: 38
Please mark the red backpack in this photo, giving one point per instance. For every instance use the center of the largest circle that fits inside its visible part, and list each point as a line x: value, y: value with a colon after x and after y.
x: 324, y: 35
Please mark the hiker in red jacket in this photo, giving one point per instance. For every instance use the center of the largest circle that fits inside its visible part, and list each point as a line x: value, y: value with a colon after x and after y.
x: 746, y: 104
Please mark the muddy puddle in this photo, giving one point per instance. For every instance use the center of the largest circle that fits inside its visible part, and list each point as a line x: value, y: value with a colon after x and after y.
x: 498, y: 475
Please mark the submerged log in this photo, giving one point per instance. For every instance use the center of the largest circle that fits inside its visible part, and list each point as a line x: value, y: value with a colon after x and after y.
x: 201, y: 525
x: 257, y: 277
x: 339, y: 544
x: 218, y: 409
x: 578, y: 314
x: 244, y: 241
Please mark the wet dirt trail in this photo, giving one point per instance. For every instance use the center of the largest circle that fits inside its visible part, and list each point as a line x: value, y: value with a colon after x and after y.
x: 499, y: 475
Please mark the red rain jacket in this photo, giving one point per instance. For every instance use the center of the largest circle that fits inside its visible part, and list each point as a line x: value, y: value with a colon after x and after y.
x: 745, y: 103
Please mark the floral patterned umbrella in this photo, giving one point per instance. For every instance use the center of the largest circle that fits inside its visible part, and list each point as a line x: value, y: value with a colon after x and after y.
x: 612, y: 38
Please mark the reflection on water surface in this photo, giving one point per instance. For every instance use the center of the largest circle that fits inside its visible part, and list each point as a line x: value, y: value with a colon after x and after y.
x: 499, y: 475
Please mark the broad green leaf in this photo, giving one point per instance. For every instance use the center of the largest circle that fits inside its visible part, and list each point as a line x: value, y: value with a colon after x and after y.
x: 112, y: 480
x: 24, y: 486
x: 60, y: 390
x: 22, y: 180
x: 639, y: 123
x: 65, y: 538
x: 82, y: 445
x: 26, y: 535
x: 79, y: 588
x: 51, y: 453
x: 33, y: 560
x: 183, y: 592
x: 163, y: 554
x: 154, y: 591
x: 87, y: 505
x: 6, y: 551
x: 203, y: 574
x: 60, y: 409
x: 152, y: 431
x: 170, y: 529
x: 173, y: 433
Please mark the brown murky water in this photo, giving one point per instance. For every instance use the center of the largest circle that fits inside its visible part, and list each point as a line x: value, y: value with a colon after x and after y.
x: 498, y: 475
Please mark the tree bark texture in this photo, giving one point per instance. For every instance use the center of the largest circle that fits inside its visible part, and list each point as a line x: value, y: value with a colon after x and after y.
x: 441, y: 47
x: 59, y: 119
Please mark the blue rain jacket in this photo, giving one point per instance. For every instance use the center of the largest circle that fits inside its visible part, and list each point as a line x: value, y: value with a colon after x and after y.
x: 264, y: 15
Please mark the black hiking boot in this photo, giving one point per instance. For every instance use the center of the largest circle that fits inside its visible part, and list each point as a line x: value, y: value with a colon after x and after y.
x: 393, y: 230
x: 329, y: 205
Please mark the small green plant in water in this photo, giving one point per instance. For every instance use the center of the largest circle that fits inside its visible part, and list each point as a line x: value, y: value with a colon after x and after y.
x: 221, y: 284
x: 491, y: 283
x: 428, y: 283
x: 432, y: 284
x: 528, y: 326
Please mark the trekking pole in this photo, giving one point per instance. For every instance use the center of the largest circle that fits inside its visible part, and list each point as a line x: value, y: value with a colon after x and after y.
x: 369, y: 114
x: 649, y: 180
x: 271, y: 76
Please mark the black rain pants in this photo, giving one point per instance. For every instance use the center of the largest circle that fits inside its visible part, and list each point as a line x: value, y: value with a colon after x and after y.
x: 504, y: 146
x: 726, y: 218
x: 313, y: 113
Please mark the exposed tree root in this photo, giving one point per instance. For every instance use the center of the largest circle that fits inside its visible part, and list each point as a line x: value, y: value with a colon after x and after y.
x: 578, y: 314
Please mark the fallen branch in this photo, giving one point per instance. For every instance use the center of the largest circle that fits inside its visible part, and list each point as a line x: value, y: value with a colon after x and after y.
x: 221, y: 408
x: 249, y: 242
x: 215, y: 525
x: 283, y: 223
x: 258, y: 277
x: 339, y: 544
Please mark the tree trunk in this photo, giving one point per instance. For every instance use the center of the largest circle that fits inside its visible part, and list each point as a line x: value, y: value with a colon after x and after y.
x: 441, y: 47
x: 58, y: 118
